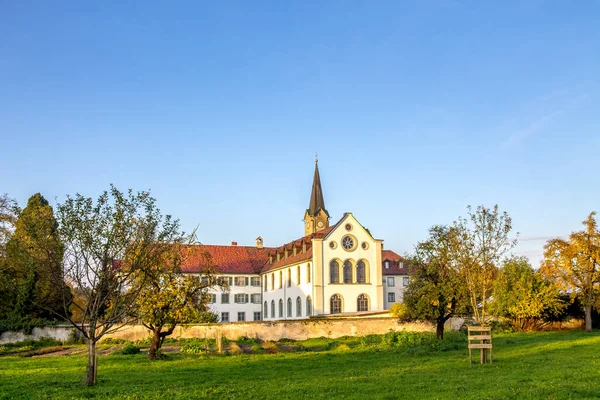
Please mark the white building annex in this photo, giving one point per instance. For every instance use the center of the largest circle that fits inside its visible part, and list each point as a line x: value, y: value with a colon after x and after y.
x: 337, y: 269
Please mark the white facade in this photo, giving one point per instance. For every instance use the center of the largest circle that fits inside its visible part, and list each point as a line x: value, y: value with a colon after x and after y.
x: 393, y: 288
x: 241, y: 301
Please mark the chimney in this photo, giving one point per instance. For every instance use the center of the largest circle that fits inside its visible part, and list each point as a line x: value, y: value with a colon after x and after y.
x: 234, y: 243
x: 259, y: 242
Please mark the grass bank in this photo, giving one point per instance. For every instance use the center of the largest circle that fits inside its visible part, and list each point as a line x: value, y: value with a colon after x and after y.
x: 555, y: 365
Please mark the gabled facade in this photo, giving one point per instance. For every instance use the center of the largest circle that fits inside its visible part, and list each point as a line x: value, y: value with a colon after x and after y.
x: 331, y: 270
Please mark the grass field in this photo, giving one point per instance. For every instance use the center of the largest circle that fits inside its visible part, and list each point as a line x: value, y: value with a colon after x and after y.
x: 548, y: 365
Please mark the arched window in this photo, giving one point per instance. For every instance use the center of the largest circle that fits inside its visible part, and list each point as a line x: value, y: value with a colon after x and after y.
x: 289, y: 307
x: 298, y: 307
x: 335, y: 304
x: 272, y: 308
x: 362, y: 303
x: 361, y: 272
x: 347, y: 272
x: 308, y: 306
x: 334, y: 272
x: 266, y: 310
x: 280, y: 308
x: 298, y: 275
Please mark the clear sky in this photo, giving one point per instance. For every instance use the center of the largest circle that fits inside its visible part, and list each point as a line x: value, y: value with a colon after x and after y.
x: 416, y: 108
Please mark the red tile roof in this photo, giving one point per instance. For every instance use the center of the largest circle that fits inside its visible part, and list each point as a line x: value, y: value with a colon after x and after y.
x: 228, y: 259
x: 395, y: 261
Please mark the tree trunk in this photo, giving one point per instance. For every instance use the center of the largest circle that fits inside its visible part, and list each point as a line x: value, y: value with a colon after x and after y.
x: 439, y: 330
x: 588, y: 318
x: 92, y: 365
x: 155, y: 344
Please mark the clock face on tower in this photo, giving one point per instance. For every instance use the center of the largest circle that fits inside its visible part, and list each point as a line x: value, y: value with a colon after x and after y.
x: 320, y: 224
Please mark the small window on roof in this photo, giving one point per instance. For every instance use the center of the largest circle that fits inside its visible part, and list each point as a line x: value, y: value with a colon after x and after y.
x: 386, y: 263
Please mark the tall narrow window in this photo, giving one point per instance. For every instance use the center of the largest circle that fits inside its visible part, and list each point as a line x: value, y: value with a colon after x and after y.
x: 363, y: 303
x: 266, y: 310
x: 289, y: 307
x: 334, y: 272
x: 361, y: 272
x: 298, y: 275
x: 280, y: 279
x: 308, y: 306
x: 280, y: 308
x: 347, y: 272
x: 308, y: 273
x: 298, y: 307
x: 265, y: 282
x: 273, y: 281
x: 335, y: 304
x: 289, y: 277
x: 272, y: 308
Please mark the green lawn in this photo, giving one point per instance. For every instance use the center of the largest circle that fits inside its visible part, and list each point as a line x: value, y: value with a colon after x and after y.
x: 549, y: 365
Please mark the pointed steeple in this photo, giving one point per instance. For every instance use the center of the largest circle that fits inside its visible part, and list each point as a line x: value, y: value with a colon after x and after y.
x: 316, y: 216
x: 316, y: 196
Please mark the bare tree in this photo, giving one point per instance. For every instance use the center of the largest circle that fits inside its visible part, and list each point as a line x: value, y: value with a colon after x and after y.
x: 107, y: 244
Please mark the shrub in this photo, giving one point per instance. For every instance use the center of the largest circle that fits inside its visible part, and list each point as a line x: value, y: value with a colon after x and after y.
x: 193, y: 349
x: 399, y: 311
x: 342, y: 347
x: 270, y: 347
x: 257, y: 349
x: 234, y: 348
x: 247, y: 340
x: 129, y: 349
x: 390, y: 338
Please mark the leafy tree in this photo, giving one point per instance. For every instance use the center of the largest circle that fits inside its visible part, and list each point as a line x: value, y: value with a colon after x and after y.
x: 574, y: 265
x: 34, y: 256
x: 524, y: 296
x: 167, y: 298
x: 481, y: 242
x: 108, y: 245
x: 436, y: 291
x: 8, y: 218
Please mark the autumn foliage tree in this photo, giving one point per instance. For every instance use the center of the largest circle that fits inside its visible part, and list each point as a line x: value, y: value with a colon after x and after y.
x: 168, y: 298
x: 524, y: 296
x: 574, y: 265
x: 436, y: 291
x: 109, y: 244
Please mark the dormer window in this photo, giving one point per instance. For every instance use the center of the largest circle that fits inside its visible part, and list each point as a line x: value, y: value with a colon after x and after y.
x: 386, y: 263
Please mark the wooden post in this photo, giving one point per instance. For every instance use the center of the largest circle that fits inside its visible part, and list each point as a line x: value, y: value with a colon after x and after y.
x: 220, y: 342
x: 482, y: 334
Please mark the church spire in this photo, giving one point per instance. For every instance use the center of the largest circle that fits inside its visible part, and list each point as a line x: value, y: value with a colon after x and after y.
x: 316, y: 216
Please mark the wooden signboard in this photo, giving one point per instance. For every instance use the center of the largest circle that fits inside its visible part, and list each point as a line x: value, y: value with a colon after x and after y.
x: 483, y: 336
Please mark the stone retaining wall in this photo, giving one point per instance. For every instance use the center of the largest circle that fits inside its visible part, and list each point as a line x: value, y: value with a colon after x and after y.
x: 293, y: 329
x: 58, y: 332
x: 297, y: 330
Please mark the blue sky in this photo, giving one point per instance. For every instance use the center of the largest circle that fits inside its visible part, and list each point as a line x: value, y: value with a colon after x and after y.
x: 416, y: 109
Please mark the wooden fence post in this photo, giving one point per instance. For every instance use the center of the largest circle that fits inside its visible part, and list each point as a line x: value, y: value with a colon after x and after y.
x: 220, y: 342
